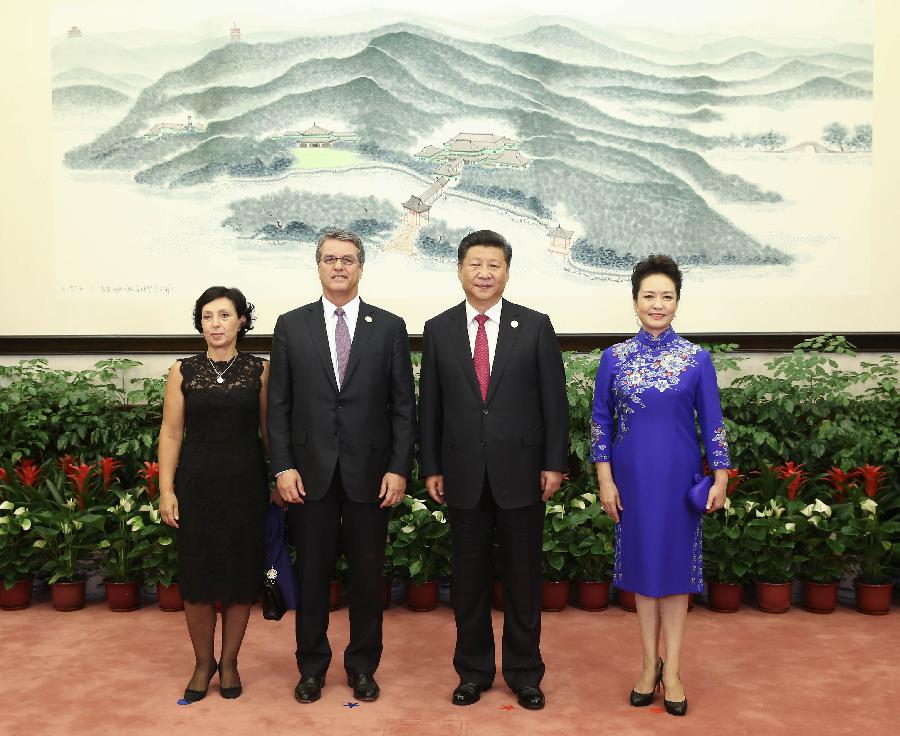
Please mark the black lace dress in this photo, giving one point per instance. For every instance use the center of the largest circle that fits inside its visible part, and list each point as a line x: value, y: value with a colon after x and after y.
x: 221, y: 482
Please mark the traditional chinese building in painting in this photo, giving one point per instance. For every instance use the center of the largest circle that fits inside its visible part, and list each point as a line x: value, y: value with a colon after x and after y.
x: 450, y: 168
x: 485, y: 149
x: 416, y: 210
x: 235, y: 35
x: 560, y: 240
x: 316, y: 137
x: 163, y: 129
x: 73, y: 32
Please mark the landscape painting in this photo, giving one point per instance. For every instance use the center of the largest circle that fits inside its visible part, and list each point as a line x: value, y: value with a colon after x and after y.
x: 210, y: 151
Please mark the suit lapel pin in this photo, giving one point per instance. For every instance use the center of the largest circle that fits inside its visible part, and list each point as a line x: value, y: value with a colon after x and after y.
x: 514, y: 323
x: 368, y: 318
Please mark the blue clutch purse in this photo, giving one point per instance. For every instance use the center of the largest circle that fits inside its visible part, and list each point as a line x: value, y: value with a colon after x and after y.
x: 699, y: 492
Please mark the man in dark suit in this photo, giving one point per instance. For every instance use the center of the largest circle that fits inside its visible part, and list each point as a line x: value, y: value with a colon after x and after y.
x: 494, y: 433
x: 341, y: 418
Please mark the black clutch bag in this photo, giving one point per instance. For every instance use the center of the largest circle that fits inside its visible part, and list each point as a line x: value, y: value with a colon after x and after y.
x: 273, y: 607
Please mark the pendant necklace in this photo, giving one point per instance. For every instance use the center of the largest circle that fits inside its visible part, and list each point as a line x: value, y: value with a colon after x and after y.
x: 219, y: 375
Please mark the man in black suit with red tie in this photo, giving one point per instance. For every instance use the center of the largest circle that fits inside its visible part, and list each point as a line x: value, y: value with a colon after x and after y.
x: 341, y: 418
x: 494, y: 434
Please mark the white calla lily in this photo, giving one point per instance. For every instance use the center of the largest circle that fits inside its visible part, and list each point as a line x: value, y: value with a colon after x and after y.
x: 869, y: 505
x: 578, y: 503
x: 822, y: 508
x: 408, y: 529
x: 750, y: 505
x: 807, y: 510
x: 26, y: 523
x: 19, y: 511
x: 6, y: 505
x: 439, y: 515
x: 418, y: 506
x: 589, y: 497
x: 814, y: 520
x: 39, y: 543
x: 790, y: 526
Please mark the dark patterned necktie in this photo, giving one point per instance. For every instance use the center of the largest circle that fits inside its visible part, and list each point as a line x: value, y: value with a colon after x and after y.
x: 341, y: 343
x: 481, y: 357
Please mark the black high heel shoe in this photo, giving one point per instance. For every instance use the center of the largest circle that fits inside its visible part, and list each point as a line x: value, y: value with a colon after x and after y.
x: 229, y: 693
x: 674, y: 708
x: 192, y: 696
x: 638, y: 700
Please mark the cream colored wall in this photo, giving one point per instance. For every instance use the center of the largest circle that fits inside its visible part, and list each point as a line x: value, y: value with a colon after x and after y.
x: 26, y: 237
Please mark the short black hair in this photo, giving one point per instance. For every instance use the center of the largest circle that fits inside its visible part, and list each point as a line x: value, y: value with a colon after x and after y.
x: 484, y: 237
x: 654, y: 264
x: 242, y: 307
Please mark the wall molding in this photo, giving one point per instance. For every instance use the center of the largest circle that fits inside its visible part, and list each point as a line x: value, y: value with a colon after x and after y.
x: 40, y: 345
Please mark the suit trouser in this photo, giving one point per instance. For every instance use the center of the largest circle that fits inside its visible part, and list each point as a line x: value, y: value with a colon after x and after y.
x: 317, y: 530
x: 519, y: 533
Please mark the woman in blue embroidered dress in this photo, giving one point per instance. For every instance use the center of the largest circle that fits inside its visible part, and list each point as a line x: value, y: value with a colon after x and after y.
x: 644, y: 444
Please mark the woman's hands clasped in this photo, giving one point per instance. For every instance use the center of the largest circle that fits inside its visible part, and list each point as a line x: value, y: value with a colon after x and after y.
x: 610, y: 500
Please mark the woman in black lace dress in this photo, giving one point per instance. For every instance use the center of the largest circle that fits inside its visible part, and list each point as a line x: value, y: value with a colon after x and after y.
x: 213, y: 483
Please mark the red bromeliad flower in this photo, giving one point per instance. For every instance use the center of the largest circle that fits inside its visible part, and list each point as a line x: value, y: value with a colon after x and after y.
x: 66, y: 464
x: 735, y: 478
x: 873, y: 476
x: 28, y: 473
x: 841, y: 481
x: 794, y: 473
x: 108, y: 466
x: 79, y: 475
x: 3, y: 474
x: 150, y: 473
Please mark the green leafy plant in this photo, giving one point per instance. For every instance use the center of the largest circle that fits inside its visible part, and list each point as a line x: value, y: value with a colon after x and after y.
x: 156, y: 547
x: 873, y: 537
x: 823, y: 541
x: 593, y: 546
x: 771, y: 539
x: 726, y: 556
x: 121, y: 543
x: 66, y: 538
x: 560, y: 537
x: 17, y: 538
x: 581, y: 369
x: 419, y: 540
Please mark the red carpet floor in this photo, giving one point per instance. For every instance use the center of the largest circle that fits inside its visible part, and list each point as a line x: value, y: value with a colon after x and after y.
x: 96, y: 672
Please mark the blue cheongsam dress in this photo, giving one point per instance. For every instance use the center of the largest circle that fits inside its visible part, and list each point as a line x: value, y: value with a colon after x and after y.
x: 646, y: 393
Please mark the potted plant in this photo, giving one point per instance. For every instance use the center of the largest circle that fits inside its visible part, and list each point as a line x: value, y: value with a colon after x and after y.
x: 726, y: 558
x: 594, y: 550
x: 873, y: 534
x: 159, y: 558
x: 66, y: 537
x: 421, y: 550
x: 16, y: 556
x: 558, y: 562
x: 823, y: 544
x: 122, y: 560
x: 770, y: 537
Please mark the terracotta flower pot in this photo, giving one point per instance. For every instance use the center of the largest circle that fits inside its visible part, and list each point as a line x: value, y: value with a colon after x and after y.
x: 68, y: 596
x: 122, y: 597
x: 555, y: 595
x: 497, y: 594
x: 334, y: 601
x: 874, y: 599
x: 626, y: 599
x: 18, y: 596
x: 422, y: 596
x: 168, y: 597
x: 819, y: 597
x: 725, y: 597
x: 593, y: 596
x: 773, y: 597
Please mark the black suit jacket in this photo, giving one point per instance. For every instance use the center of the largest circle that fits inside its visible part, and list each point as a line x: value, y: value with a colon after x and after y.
x: 369, y: 424
x: 522, y: 427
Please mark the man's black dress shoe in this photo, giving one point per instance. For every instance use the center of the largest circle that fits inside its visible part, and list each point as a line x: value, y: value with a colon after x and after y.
x: 531, y: 698
x: 364, y: 687
x: 468, y: 693
x: 309, y: 689
x: 192, y: 696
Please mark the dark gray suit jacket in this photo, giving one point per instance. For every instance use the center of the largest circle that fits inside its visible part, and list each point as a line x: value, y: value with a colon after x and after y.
x: 368, y: 425
x: 522, y: 427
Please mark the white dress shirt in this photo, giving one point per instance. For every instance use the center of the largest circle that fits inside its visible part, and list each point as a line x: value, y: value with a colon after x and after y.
x: 351, y: 314
x: 491, y: 327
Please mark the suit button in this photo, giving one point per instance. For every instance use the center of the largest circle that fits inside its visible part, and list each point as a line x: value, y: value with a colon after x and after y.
x: 482, y: 443
x: 484, y: 411
x: 340, y: 406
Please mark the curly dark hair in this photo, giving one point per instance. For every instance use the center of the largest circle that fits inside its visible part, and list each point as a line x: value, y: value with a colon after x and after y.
x: 654, y: 264
x: 242, y: 307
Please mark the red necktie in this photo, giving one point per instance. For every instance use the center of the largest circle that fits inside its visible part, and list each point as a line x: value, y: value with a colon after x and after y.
x: 480, y: 356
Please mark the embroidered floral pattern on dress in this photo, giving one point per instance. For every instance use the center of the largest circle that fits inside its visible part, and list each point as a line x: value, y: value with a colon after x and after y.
x: 599, y: 446
x: 697, y: 559
x: 651, y: 362
x: 720, y: 457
